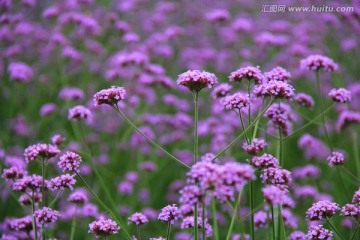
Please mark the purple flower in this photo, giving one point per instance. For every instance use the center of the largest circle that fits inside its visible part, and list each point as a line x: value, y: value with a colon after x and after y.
x: 190, y: 195
x: 318, y: 62
x: 207, y: 174
x: 318, y: 233
x: 32, y: 182
x: 273, y: 195
x: 221, y: 91
x: 236, y: 101
x: 69, y: 161
x: 236, y: 174
x: 189, y: 222
x: 275, y: 89
x: 307, y: 171
x: 265, y: 161
x: 47, y: 109
x: 63, y: 181
x: 170, y: 213
x: 347, y: 118
x: 277, y: 74
x: 340, y: 95
x: 322, y: 210
x: 276, y: 176
x: 13, y: 173
x: 249, y: 73
x: 257, y: 145
x: 260, y: 219
x: 26, y: 201
x: 336, y: 159
x: 46, y: 151
x: 110, y: 96
x: 304, y: 100
x: 297, y: 235
x: 71, y: 93
x: 351, y: 210
x: 46, y: 215
x: 218, y: 15
x: 80, y: 112
x: 103, y: 228
x: 57, y: 139
x: 148, y: 166
x: 196, y: 80
x: 356, y: 197
x: 21, y: 224
x: 138, y: 219
x: 79, y: 196
x: 20, y: 72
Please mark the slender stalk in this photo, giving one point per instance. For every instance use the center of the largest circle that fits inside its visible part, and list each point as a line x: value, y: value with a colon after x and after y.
x: 281, y: 225
x: 356, y: 151
x: 348, y: 197
x: 33, y: 216
x: 203, y: 222
x: 350, y: 173
x: 354, y: 234
x: 243, y: 127
x: 243, y: 133
x: 43, y: 182
x: 168, y: 231
x: 196, y: 149
x: 215, y: 224
x: 280, y: 156
x: 236, y: 211
x: 311, y: 122
x: 58, y: 195
x: 153, y: 143
x: 138, y: 232
x: 335, y: 230
x: 249, y: 108
x: 251, y: 200
x: 73, y: 225
x: 103, y: 205
x: 272, y: 221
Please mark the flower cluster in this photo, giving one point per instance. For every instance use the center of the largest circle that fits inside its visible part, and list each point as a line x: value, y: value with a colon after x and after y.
x: 170, y: 213
x: 43, y: 150
x: 336, y: 159
x: 277, y: 74
x: 318, y: 62
x: 255, y: 147
x: 103, y: 228
x: 250, y: 73
x: 80, y: 112
x: 236, y: 101
x: 322, y: 210
x: 110, y: 96
x: 69, y: 161
x: 265, y: 161
x: 138, y: 219
x: 63, y: 181
x: 46, y: 215
x: 196, y: 80
x: 340, y: 95
x: 318, y: 232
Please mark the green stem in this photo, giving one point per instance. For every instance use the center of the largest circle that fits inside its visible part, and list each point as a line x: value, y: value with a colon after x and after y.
x: 236, y: 211
x: 73, y: 226
x: 103, y: 205
x: 354, y: 234
x: 356, y: 152
x: 350, y: 173
x: 249, y: 108
x: 153, y: 143
x: 203, y: 222
x: 243, y: 133
x: 138, y: 233
x: 168, y: 231
x: 281, y: 147
x: 43, y: 182
x: 309, y: 123
x: 281, y: 225
x: 335, y: 230
x: 273, y: 222
x: 58, y: 195
x: 196, y: 149
x: 343, y: 183
x: 33, y: 216
x: 243, y: 127
x: 251, y: 200
x: 215, y: 224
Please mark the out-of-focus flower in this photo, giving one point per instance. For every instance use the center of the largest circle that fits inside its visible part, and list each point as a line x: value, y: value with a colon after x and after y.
x: 46, y: 215
x: 249, y: 73
x: 103, y: 228
x: 20, y: 72
x: 336, y: 159
x: 318, y: 62
x: 138, y: 219
x: 304, y: 100
x: 340, y: 95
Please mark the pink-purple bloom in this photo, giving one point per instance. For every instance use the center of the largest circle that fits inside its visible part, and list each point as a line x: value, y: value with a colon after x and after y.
x: 138, y: 219
x: 46, y: 215
x: 278, y: 74
x: 69, y: 161
x: 170, y: 214
x: 63, y: 181
x: 110, y: 96
x: 255, y: 147
x: 43, y: 150
x: 305, y: 100
x: 318, y: 62
x: 196, y: 80
x: 236, y: 101
x: 322, y: 210
x: 103, y: 228
x: 80, y: 112
x: 340, y: 95
x: 250, y: 73
x: 318, y: 232
x: 336, y: 159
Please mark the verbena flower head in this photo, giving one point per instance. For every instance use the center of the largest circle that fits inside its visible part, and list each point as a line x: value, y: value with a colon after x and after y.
x: 26, y: 201
x: 273, y: 195
x: 347, y: 118
x: 190, y: 195
x: 13, y: 173
x: 46, y: 215
x: 356, y: 197
x: 79, y: 196
x: 57, y: 139
x: 236, y: 174
x: 206, y: 174
x: 196, y: 80
x: 110, y: 96
x: 236, y: 101
x: 336, y: 159
x: 350, y: 210
x: 32, y: 182
x: 46, y: 151
x: 304, y: 100
x: 138, y: 219
x: 322, y: 210
x: 318, y: 62
x: 71, y: 93
x: 20, y: 72
x: 63, y: 181
x: 189, y: 222
x: 257, y: 146
x: 260, y: 219
x: 278, y: 74
x: 276, y: 89
x: 248, y: 73
x: 23, y: 224
x: 69, y: 161
x: 221, y: 91
x: 340, y: 95
x: 170, y: 213
x: 103, y: 228
x: 265, y: 161
x: 318, y: 233
x: 276, y: 176
x: 80, y: 112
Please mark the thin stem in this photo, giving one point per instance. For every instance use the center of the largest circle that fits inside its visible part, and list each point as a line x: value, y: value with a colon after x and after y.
x: 356, y: 151
x: 272, y: 221
x: 138, y: 233
x: 281, y: 147
x: 243, y: 133
x: 281, y: 226
x: 43, y: 182
x: 251, y: 200
x: 168, y: 231
x: 343, y: 183
x: 249, y: 108
x: 350, y: 173
x: 335, y: 230
x: 73, y: 226
x: 58, y: 195
x: 354, y: 234
x: 103, y: 205
x: 215, y: 224
x: 203, y: 222
x: 153, y: 143
x: 236, y: 210
x: 309, y: 123
x: 243, y: 127
x: 196, y: 149
x: 33, y: 216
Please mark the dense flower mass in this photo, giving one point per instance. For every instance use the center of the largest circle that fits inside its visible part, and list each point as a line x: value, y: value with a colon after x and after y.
x: 110, y: 96
x: 63, y: 181
x: 69, y: 161
x: 322, y: 210
x: 236, y: 101
x: 340, y: 95
x: 336, y: 159
x: 278, y: 74
x: 138, y: 219
x: 103, y: 228
x: 275, y: 89
x: 318, y: 232
x: 318, y: 62
x: 276, y: 176
x: 21, y: 224
x: 265, y: 161
x: 32, y: 182
x: 40, y: 150
x: 46, y: 215
x: 255, y: 147
x: 196, y: 80
x: 79, y: 113
x: 170, y: 213
x: 249, y: 73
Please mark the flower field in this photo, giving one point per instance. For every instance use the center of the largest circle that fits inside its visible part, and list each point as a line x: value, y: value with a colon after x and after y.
x: 139, y: 119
